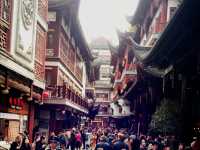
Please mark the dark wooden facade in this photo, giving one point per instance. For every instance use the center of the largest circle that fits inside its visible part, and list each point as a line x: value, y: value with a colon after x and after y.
x: 178, y: 71
x: 17, y: 90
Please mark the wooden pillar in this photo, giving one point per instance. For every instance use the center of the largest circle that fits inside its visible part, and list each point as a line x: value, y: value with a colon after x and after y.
x: 31, y: 120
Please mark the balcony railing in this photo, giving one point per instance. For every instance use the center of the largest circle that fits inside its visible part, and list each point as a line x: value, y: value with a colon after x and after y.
x: 62, y: 92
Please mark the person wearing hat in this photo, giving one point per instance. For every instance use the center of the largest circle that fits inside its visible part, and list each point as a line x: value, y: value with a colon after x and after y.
x: 53, y: 144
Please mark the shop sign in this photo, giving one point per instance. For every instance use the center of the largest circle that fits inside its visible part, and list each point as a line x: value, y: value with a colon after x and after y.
x: 16, y: 103
x: 9, y: 116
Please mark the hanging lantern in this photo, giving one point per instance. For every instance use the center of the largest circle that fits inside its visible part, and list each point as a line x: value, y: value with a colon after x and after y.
x: 21, y: 103
x: 15, y: 101
x: 10, y: 101
x: 18, y: 104
x: 45, y: 95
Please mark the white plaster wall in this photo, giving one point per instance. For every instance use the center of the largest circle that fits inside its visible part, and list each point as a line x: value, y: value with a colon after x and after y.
x: 28, y: 38
x: 126, y: 110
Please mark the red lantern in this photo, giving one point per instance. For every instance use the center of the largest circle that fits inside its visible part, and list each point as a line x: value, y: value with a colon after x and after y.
x: 18, y: 102
x: 10, y: 101
x: 45, y: 95
x: 15, y: 101
x: 22, y: 103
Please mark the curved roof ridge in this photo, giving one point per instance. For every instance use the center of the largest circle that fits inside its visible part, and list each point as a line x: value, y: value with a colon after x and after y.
x: 141, y: 52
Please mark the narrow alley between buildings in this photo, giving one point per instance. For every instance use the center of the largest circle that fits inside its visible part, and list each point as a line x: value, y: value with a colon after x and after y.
x: 99, y: 75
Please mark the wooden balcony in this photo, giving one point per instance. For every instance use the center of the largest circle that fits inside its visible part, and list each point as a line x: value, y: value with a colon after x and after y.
x: 64, y: 96
x: 129, y: 70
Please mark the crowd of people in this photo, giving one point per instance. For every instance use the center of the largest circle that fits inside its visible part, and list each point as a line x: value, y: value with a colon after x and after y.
x: 100, y: 139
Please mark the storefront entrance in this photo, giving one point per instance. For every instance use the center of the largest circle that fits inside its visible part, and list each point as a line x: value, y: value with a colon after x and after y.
x: 11, y: 125
x: 9, y: 129
x: 13, y: 129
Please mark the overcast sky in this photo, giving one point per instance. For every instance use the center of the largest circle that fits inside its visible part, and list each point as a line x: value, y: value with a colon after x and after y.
x: 103, y: 17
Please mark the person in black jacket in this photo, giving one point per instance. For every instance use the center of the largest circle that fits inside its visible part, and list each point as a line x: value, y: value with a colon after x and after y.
x: 41, y: 144
x: 20, y: 143
x: 73, y: 140
x: 83, y: 137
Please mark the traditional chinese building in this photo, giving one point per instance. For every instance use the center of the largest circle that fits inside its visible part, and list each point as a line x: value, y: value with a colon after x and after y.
x: 164, y: 66
x: 151, y: 18
x: 23, y: 28
x: 102, y: 85
x: 178, y: 70
x: 67, y: 69
x: 142, y: 89
x: 149, y: 21
x: 124, y: 75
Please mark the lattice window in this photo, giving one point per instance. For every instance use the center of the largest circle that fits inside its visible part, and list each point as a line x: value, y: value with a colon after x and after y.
x: 40, y: 45
x: 5, y: 14
x: 39, y: 71
x: 40, y: 53
x: 5, y: 10
x: 3, y: 38
x: 172, y: 11
x: 43, y: 8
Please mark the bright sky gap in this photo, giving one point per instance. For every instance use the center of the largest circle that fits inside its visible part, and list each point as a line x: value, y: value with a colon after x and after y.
x: 103, y: 17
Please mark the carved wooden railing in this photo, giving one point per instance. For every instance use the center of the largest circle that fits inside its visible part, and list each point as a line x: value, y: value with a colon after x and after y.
x: 62, y: 92
x: 39, y: 71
